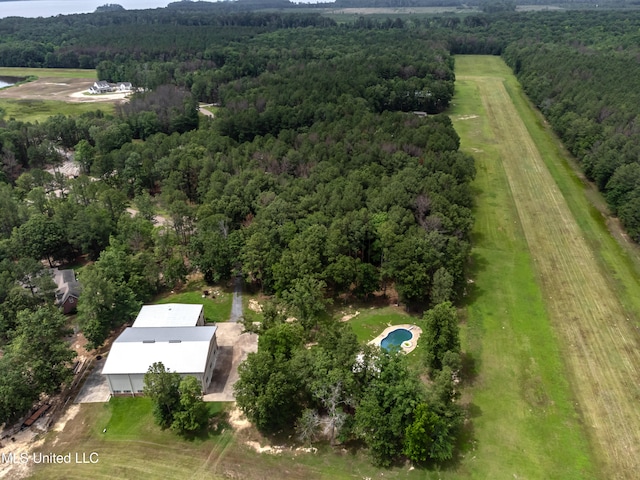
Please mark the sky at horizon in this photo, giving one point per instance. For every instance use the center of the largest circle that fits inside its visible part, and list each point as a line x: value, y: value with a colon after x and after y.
x: 52, y: 8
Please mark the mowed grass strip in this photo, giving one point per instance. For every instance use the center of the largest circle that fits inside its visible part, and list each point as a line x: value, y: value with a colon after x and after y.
x: 47, y: 72
x: 523, y: 421
x: 598, y: 338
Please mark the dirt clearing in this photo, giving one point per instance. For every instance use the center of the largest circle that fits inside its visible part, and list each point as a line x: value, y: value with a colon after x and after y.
x: 62, y: 89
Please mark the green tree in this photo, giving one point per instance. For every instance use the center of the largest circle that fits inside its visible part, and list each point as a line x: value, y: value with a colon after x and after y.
x: 33, y: 275
x: 212, y: 253
x: 430, y: 436
x: 442, y: 287
x: 39, y: 342
x: 36, y: 361
x: 268, y: 392
x: 441, y: 334
x: 306, y: 300
x: 163, y: 387
x: 419, y: 435
x: 104, y: 304
x: 386, y: 408
x: 41, y: 237
x: 84, y: 155
x: 192, y: 414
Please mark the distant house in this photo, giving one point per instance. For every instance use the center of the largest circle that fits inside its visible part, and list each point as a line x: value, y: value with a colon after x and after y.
x: 185, y: 350
x: 100, y: 87
x: 123, y: 87
x: 68, y: 291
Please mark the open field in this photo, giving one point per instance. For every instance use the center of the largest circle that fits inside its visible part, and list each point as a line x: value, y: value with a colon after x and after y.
x: 48, y: 72
x: 56, y: 91
x: 40, y: 110
x: 133, y: 447
x: 585, y: 288
x: 524, y: 420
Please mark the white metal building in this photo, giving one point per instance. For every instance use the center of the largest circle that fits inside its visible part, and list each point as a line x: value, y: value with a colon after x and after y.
x: 186, y: 350
x: 170, y: 315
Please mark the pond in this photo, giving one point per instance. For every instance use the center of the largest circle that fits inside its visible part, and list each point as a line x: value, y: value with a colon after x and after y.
x: 8, y: 81
x: 395, y: 338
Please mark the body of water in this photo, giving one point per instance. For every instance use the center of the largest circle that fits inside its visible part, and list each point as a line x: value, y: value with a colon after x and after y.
x: 51, y: 8
x: 395, y: 338
x: 8, y: 81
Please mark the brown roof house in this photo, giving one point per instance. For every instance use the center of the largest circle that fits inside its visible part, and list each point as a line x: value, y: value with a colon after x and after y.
x: 68, y: 290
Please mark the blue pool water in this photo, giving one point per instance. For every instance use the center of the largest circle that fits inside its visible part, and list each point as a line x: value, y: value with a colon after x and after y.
x: 395, y: 338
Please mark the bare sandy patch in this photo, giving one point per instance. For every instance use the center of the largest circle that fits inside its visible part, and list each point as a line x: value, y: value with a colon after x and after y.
x: 273, y: 450
x: 255, y: 306
x: 22, y: 442
x: 237, y: 420
x: 348, y: 316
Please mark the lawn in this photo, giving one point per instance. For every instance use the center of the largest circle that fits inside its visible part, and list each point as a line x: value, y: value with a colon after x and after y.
x: 370, y: 322
x: 217, y: 305
x: 133, y: 447
x: 129, y: 445
x: 49, y: 92
x: 549, y: 322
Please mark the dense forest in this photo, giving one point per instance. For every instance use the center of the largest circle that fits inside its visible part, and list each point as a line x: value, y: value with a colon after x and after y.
x: 329, y: 170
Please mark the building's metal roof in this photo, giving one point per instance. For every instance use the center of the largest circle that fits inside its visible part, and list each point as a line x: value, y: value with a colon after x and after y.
x: 180, y: 349
x: 168, y: 315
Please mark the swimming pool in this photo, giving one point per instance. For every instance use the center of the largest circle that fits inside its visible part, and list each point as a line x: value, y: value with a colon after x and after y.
x: 395, y: 338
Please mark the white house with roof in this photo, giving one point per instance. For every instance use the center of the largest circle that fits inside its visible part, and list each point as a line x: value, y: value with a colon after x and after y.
x: 173, y: 334
x: 170, y: 315
x: 100, y: 86
x: 124, y: 87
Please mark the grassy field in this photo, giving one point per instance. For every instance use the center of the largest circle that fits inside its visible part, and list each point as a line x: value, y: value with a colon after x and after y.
x: 217, y: 307
x: 581, y: 281
x: 40, y: 110
x: 47, y: 72
x: 133, y: 447
x: 524, y: 421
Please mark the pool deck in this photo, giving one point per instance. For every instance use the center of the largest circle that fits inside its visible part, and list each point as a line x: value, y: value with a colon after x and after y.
x: 409, y: 345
